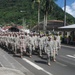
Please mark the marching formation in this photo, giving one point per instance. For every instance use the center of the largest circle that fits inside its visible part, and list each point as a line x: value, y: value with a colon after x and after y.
x: 22, y: 43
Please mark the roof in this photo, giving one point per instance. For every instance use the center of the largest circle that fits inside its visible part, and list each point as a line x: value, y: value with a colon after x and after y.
x: 51, y: 24
x: 55, y: 21
x: 7, y: 27
x: 20, y: 27
x: 69, y: 26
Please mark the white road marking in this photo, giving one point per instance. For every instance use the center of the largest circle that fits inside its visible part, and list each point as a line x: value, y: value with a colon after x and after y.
x: 47, y: 72
x: 67, y: 57
x: 1, y: 64
x: 61, y: 64
x: 36, y: 66
x: 71, y: 56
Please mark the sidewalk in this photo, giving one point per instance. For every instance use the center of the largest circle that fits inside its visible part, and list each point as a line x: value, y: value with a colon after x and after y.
x: 6, y: 61
x: 7, y: 71
x: 69, y: 46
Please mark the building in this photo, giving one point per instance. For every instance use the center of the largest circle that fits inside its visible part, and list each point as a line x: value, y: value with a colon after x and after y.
x: 12, y: 28
x: 51, y: 25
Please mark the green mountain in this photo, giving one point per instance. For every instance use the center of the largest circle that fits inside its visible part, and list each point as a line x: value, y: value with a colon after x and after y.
x: 15, y: 10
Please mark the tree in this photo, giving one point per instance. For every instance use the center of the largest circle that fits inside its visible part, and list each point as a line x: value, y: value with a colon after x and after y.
x: 46, y: 7
x: 38, y: 2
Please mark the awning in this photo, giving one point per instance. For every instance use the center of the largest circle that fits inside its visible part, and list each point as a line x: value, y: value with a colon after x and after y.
x: 25, y: 30
x: 68, y: 27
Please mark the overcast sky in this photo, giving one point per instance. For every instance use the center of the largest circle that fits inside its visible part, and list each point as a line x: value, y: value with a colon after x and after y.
x: 70, y: 6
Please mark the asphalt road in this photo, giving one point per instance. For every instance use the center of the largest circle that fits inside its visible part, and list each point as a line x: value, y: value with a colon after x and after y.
x: 64, y: 65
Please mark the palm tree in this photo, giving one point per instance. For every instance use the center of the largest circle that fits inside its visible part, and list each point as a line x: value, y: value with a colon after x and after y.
x: 38, y: 2
x: 24, y: 23
x: 46, y: 7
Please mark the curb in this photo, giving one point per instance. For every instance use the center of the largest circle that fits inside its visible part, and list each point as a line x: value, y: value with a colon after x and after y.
x: 68, y: 46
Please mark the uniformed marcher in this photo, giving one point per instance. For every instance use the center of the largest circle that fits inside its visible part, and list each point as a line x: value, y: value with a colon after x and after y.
x: 55, y: 49
x: 22, y: 45
x: 33, y: 42
x: 41, y: 45
x: 58, y: 41
x: 14, y: 41
x: 45, y: 38
x: 30, y: 45
x: 49, y: 49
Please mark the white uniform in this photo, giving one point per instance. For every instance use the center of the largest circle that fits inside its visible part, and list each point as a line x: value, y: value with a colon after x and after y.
x: 45, y: 38
x: 13, y: 43
x: 30, y: 45
x: 59, y: 42
x: 49, y: 50
x: 35, y: 39
x: 41, y: 45
x: 26, y: 40
x: 55, y: 47
x: 16, y: 43
x: 33, y: 43
x: 22, y: 45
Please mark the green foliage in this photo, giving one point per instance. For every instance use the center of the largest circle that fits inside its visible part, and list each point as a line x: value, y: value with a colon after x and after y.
x: 10, y: 11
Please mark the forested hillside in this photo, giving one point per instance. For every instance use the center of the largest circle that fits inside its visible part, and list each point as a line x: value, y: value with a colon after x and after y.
x: 15, y: 10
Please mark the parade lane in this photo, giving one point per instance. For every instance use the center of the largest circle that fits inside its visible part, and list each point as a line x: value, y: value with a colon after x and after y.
x: 67, y: 55
x: 67, y: 50
x: 57, y: 68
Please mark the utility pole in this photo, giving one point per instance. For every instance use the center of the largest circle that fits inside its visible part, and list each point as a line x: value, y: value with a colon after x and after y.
x: 64, y: 18
x: 64, y: 12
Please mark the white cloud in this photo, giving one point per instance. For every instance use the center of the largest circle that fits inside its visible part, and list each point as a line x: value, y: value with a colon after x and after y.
x: 70, y: 9
x: 73, y: 5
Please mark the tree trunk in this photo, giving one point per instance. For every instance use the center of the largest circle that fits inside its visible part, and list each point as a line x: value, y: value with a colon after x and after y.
x: 38, y: 15
x: 45, y: 22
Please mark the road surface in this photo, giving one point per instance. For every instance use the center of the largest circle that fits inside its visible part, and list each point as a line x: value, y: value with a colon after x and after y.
x: 64, y: 65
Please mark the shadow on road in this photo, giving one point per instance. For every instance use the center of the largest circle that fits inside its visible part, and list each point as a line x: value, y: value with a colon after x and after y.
x: 40, y: 61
